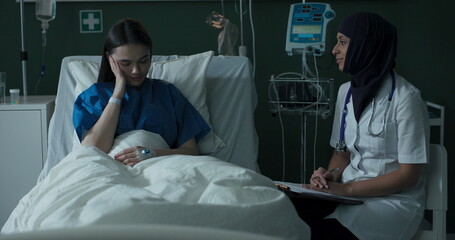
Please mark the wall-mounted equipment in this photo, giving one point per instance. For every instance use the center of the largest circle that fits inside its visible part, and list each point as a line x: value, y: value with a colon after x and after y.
x: 307, y: 27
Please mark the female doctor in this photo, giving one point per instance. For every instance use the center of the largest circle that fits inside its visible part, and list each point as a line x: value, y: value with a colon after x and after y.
x: 380, y: 135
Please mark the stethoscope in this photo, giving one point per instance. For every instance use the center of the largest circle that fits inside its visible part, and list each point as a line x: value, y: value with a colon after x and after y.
x: 341, y: 144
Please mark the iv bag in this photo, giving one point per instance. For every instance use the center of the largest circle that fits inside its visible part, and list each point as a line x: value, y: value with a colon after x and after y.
x: 45, y: 10
x: 227, y: 39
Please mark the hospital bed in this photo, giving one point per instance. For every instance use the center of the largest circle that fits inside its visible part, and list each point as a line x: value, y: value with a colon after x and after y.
x: 83, y: 192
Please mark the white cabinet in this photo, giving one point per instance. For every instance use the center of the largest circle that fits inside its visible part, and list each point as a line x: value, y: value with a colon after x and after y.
x: 23, y: 148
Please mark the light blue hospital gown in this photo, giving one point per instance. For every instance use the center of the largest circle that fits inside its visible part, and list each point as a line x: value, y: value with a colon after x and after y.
x: 157, y: 106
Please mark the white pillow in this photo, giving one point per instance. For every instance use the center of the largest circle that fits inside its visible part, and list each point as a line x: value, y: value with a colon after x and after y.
x: 188, y: 74
x: 85, y: 73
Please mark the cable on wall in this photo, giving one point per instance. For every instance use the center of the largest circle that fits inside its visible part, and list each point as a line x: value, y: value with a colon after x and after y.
x: 273, y: 89
x: 253, y: 37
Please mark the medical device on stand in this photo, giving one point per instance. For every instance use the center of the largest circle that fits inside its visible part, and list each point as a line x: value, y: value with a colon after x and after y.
x: 304, y: 93
x: 45, y: 12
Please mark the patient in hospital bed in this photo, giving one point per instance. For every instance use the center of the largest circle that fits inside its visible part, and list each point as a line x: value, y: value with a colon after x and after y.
x: 124, y: 99
x: 174, y: 182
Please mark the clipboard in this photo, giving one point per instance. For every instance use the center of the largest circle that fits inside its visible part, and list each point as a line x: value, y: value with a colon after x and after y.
x: 296, y: 190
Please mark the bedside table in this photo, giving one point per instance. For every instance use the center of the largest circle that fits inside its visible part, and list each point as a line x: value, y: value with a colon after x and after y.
x: 23, y: 147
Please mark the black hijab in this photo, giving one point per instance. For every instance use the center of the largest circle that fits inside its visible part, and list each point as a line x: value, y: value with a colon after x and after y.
x: 370, y: 55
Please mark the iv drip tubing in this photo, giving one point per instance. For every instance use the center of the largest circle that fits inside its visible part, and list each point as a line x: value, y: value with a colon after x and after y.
x: 305, y: 68
x: 318, y: 97
x: 303, y: 167
x: 282, y: 133
x: 253, y: 38
x: 43, y: 67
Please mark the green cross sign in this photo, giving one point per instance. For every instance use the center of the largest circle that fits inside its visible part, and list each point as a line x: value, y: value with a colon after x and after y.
x: 91, y: 21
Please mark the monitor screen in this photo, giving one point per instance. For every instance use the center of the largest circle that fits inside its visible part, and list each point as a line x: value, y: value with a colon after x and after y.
x: 306, y: 29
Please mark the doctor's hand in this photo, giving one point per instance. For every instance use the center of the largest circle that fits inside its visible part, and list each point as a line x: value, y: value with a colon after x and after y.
x: 342, y: 189
x: 321, y: 177
x: 120, y: 80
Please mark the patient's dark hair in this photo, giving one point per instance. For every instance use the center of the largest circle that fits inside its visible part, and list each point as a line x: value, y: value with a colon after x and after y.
x: 126, y: 31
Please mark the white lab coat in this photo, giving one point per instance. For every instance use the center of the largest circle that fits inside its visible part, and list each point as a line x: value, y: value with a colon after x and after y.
x: 405, y: 140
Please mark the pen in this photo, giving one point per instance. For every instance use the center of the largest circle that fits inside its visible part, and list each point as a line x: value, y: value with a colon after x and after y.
x: 282, y: 187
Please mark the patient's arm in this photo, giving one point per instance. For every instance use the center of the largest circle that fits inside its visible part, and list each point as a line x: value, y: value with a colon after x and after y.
x: 102, y: 134
x: 129, y: 156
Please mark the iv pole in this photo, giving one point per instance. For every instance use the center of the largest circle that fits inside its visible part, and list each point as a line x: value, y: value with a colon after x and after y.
x: 23, y: 54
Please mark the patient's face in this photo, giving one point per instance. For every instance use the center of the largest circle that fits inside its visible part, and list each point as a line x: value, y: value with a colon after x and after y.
x: 134, y: 62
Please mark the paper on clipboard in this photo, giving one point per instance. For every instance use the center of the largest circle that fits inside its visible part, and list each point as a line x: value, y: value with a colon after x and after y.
x: 299, y: 191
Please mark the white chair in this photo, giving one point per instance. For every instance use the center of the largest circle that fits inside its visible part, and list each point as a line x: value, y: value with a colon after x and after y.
x: 436, y: 194
x: 437, y: 115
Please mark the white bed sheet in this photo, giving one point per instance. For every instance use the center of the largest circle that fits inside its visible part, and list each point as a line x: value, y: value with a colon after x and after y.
x: 231, y: 100
x: 85, y: 187
x: 138, y: 232
x: 90, y: 188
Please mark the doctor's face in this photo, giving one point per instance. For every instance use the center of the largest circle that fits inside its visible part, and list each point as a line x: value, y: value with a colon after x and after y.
x: 340, y: 50
x: 134, y: 62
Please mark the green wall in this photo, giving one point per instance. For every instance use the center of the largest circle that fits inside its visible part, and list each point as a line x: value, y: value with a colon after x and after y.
x: 425, y: 58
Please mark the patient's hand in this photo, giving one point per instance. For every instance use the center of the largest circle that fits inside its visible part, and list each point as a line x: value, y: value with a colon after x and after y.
x: 133, y: 155
x: 120, y: 80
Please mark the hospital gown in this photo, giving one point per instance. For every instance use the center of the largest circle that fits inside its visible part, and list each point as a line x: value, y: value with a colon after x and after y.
x: 156, y: 106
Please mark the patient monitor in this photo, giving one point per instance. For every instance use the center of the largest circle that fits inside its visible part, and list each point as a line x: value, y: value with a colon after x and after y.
x: 304, y: 93
x: 307, y: 28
